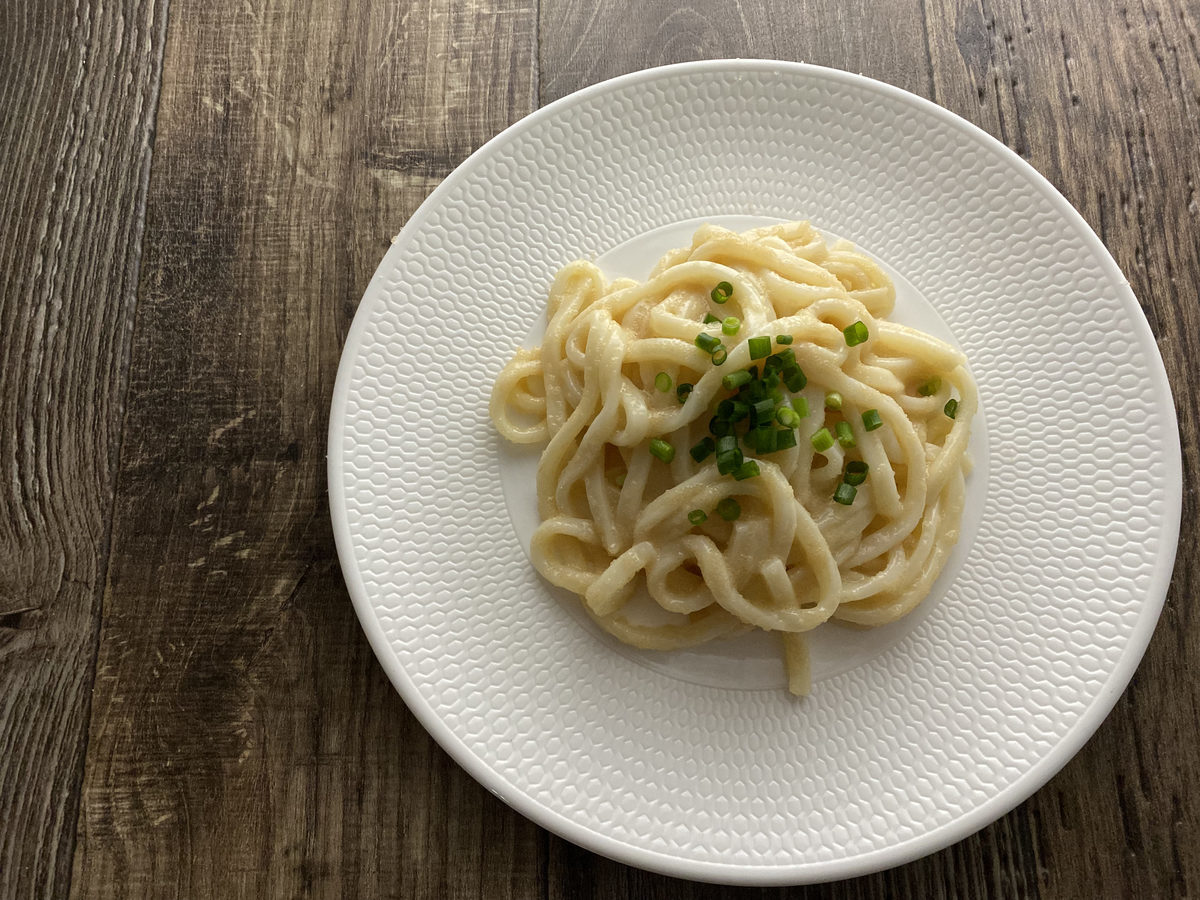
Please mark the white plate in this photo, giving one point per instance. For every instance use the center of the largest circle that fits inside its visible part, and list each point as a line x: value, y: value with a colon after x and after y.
x: 698, y: 764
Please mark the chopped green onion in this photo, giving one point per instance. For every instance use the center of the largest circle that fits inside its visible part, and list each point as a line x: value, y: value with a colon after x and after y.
x: 845, y: 434
x: 729, y: 461
x: 855, y: 334
x: 951, y: 408
x: 725, y: 410
x: 708, y: 342
x: 697, y: 517
x: 726, y: 442
x: 720, y: 355
x: 796, y: 381
x: 785, y: 439
x: 710, y: 319
x: 740, y: 411
x: 786, y: 416
x: 764, y: 411
x: 833, y: 400
x: 822, y: 440
x: 844, y: 494
x: 735, y: 380
x: 931, y: 387
x: 787, y: 359
x: 663, y: 382
x: 759, y: 347
x: 660, y: 449
x: 773, y: 364
x: 856, y: 472
x: 783, y: 338
x: 683, y: 390
x: 800, y: 405
x: 748, y: 469
x: 719, y: 427
x: 729, y: 509
x: 730, y: 325
x: 620, y: 479
x: 722, y: 292
x: 764, y: 439
x: 871, y: 419
x: 701, y: 451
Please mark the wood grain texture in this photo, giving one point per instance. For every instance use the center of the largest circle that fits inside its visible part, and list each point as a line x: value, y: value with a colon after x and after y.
x: 244, y: 742
x: 78, y: 87
x: 241, y: 740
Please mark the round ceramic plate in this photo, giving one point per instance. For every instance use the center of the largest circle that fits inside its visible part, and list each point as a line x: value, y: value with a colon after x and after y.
x: 698, y: 763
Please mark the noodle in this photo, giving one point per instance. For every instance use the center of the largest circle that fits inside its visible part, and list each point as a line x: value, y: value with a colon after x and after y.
x: 615, y: 519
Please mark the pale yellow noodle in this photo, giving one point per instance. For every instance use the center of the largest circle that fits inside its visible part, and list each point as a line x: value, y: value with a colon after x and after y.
x: 794, y: 559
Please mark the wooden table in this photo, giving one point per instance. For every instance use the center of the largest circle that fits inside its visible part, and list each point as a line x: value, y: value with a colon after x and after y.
x: 193, y: 195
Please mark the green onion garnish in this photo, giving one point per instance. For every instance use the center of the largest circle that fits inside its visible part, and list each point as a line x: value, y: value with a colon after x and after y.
x: 764, y: 439
x: 710, y: 319
x: 783, y: 338
x: 833, y: 400
x: 660, y: 449
x: 719, y: 427
x: 845, y: 434
x: 855, y: 334
x: 720, y: 355
x: 729, y: 461
x: 701, y: 451
x: 708, y: 342
x: 871, y: 419
x: 763, y: 410
x: 785, y: 439
x: 697, y: 517
x: 856, y: 472
x: 931, y: 387
x: 620, y: 479
x: 729, y: 509
x: 795, y: 381
x: 683, y: 390
x: 740, y: 411
x: 722, y: 292
x: 844, y: 494
x: 748, y: 469
x: 951, y: 408
x: 730, y: 325
x: 822, y: 440
x: 726, y: 442
x: 735, y: 380
x: 663, y: 382
x: 800, y: 405
x: 759, y: 347
x: 786, y: 416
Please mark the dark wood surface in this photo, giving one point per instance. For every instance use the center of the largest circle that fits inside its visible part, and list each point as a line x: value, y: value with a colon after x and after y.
x: 194, y: 195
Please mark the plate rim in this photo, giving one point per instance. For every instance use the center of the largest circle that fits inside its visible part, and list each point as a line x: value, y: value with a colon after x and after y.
x: 923, y: 844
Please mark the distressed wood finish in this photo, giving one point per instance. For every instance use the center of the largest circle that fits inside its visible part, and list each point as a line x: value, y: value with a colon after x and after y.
x: 187, y: 706
x: 78, y: 88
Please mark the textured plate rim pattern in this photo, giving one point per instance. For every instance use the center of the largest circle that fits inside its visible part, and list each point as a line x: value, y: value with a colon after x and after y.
x: 767, y: 873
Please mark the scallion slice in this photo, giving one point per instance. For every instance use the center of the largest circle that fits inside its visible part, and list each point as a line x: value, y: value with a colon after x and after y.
x: 787, y: 417
x: 785, y: 439
x: 660, y: 449
x: 710, y: 319
x: 951, y: 408
x: 856, y: 472
x: 708, y: 342
x: 845, y: 494
x: 822, y: 440
x: 701, y: 451
x: 722, y: 292
x: 729, y: 509
x: 931, y: 387
x: 663, y: 382
x: 783, y: 338
x: 845, y: 434
x: 720, y: 355
x: 748, y: 469
x: 697, y: 517
x: 855, y: 334
x: 871, y: 419
x: 833, y: 400
x: 760, y: 347
x: 683, y: 390
x: 730, y: 325
x: 735, y: 380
